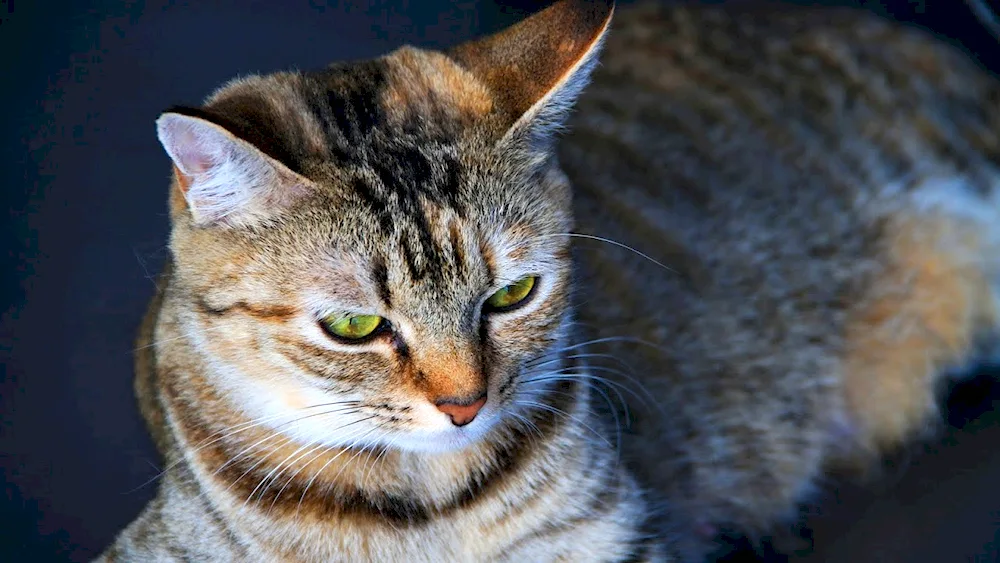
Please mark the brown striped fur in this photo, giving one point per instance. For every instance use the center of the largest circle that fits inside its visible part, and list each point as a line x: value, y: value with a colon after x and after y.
x: 820, y: 184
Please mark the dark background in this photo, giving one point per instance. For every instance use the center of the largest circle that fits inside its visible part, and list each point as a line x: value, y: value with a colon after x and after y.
x: 86, y: 181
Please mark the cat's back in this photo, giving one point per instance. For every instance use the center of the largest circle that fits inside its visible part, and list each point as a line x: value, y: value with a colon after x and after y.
x: 763, y: 130
x: 789, y: 168
x: 706, y: 96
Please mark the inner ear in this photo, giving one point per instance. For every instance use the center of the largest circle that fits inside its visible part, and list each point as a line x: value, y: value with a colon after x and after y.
x: 222, y: 178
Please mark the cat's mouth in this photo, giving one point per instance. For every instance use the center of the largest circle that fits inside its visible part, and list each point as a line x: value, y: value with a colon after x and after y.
x: 456, y: 426
x: 509, y: 405
x: 450, y: 437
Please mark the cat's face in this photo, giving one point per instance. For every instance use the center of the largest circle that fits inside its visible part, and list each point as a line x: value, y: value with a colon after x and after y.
x: 333, y: 304
x: 377, y: 253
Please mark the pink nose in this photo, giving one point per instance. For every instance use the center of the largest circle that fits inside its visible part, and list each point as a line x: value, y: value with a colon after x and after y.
x: 461, y: 414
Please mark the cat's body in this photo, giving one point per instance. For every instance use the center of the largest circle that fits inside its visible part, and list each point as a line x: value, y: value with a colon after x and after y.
x: 821, y: 186
x: 825, y: 185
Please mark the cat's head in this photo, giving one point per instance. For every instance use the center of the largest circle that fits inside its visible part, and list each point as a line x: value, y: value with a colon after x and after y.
x: 374, y: 252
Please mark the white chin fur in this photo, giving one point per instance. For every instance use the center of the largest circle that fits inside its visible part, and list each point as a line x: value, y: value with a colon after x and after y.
x: 434, y: 432
x: 448, y: 440
x: 365, y: 435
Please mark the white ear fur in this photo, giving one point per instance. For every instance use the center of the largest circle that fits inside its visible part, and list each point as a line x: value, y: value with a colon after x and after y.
x: 226, y: 178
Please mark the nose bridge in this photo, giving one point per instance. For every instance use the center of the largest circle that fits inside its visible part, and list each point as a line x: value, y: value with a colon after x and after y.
x: 449, y: 371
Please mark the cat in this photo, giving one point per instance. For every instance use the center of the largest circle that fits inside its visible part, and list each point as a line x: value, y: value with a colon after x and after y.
x: 404, y: 295
x: 345, y: 360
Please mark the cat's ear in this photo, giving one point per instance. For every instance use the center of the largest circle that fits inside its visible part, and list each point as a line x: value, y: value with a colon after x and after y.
x: 224, y: 180
x: 537, y: 68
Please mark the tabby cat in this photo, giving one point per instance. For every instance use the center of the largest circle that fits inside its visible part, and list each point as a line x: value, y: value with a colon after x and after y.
x: 398, y: 304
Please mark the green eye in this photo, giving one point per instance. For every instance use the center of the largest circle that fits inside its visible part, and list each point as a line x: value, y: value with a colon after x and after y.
x: 352, y: 327
x: 511, y: 295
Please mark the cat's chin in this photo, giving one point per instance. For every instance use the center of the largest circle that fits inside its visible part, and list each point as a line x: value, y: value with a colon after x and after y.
x: 447, y: 440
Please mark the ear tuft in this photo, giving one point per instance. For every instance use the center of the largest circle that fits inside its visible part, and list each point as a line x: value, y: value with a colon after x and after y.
x: 223, y: 178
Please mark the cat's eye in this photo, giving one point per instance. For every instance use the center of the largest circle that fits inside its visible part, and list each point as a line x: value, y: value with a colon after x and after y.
x: 354, y: 328
x: 510, y: 296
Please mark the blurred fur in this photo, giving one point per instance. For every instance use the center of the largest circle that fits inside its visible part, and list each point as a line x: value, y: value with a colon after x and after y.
x: 820, y: 184
x: 825, y: 185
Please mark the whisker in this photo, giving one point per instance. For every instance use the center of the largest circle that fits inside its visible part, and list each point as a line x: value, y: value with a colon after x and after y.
x: 145, y: 269
x: 531, y: 426
x: 606, y: 339
x: 285, y: 440
x: 364, y: 480
x: 537, y: 362
x: 649, y: 397
x: 251, y: 448
x: 270, y: 473
x: 557, y: 355
x: 358, y: 454
x: 611, y: 385
x: 260, y: 460
x: 319, y: 446
x: 614, y: 243
x: 325, y: 449
x: 561, y: 412
x: 614, y: 413
x: 228, y: 432
x: 611, y: 408
x: 568, y: 376
x: 328, y: 462
x: 173, y: 339
x: 332, y: 411
x: 296, y: 451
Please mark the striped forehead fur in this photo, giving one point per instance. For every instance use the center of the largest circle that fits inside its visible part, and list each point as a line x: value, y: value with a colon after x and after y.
x: 345, y: 129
